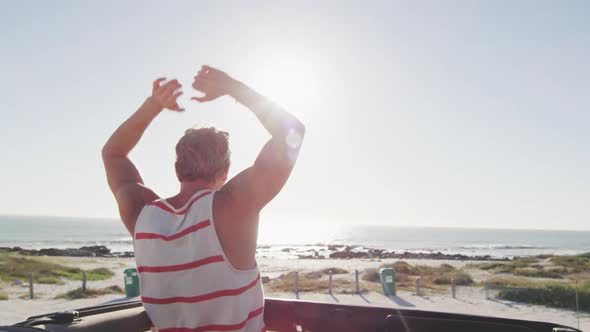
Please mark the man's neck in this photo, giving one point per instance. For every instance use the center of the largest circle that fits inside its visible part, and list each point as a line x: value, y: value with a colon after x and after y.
x: 191, y: 187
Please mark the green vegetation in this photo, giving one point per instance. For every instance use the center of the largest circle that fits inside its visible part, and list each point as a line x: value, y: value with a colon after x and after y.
x: 53, y: 280
x: 79, y: 294
x: 461, y: 279
x: 542, y: 266
x: 573, y: 264
x: 308, y: 283
x: 539, y: 273
x: 15, y: 267
x: 438, y: 275
x: 335, y: 270
x: 509, y: 267
x: 558, y: 296
x: 431, y: 277
x: 3, y: 296
x: 371, y: 275
x: 521, y: 282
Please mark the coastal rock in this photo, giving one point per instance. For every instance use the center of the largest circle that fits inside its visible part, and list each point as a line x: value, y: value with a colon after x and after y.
x: 349, y: 254
x: 98, y: 251
x: 334, y: 247
x: 346, y: 252
x: 124, y: 254
x: 87, y: 251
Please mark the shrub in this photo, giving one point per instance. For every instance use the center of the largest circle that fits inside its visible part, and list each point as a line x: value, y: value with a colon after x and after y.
x: 335, y: 270
x: 371, y: 275
x: 536, y: 273
x: 52, y: 280
x: 557, y: 296
x: 15, y: 267
x: 461, y: 279
x: 89, y: 293
x: 573, y: 264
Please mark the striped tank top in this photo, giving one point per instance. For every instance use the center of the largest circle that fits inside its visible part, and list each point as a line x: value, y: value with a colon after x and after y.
x: 186, y: 282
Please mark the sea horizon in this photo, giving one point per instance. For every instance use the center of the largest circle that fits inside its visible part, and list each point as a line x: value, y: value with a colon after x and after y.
x: 274, y: 238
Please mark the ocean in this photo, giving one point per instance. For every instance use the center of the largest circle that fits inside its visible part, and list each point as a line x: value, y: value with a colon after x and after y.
x: 58, y: 232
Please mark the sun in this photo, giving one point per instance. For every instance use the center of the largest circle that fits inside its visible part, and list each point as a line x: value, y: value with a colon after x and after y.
x: 289, y: 82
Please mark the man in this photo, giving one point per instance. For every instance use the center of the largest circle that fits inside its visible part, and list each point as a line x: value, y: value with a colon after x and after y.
x: 195, y: 251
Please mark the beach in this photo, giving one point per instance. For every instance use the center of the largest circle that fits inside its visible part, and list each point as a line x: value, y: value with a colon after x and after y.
x: 469, y: 299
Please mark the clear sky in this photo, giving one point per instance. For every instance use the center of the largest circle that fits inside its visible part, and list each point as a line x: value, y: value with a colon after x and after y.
x: 454, y: 113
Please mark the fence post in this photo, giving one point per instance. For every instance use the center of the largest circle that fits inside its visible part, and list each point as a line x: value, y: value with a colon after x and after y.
x: 487, y: 288
x: 453, y: 288
x: 356, y: 278
x: 418, y: 286
x: 296, y: 282
x: 330, y: 281
x: 31, y: 293
x: 577, y: 305
x: 84, y: 282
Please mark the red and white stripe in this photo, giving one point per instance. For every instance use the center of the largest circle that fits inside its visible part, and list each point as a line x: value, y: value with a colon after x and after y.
x: 186, y: 282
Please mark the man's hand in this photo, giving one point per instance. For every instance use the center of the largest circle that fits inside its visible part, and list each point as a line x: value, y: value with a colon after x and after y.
x: 167, y: 95
x: 213, y: 83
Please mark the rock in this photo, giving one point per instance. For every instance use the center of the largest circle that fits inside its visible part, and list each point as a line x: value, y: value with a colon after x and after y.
x: 349, y: 254
x: 125, y: 254
x: 98, y: 251
x: 91, y: 251
x: 287, y: 249
x: 17, y: 283
x: 334, y: 247
x: 265, y: 280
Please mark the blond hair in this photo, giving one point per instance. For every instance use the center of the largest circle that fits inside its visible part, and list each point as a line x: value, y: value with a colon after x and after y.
x: 202, y: 154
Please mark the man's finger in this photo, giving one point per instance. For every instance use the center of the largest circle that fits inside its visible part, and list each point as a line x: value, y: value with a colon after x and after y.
x: 157, y: 82
x: 169, y: 88
x: 173, y: 82
x: 201, y: 84
x: 177, y: 108
x: 172, y: 99
x: 203, y: 99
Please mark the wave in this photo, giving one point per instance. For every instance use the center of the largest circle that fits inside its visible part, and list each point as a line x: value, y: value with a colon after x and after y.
x: 493, y: 246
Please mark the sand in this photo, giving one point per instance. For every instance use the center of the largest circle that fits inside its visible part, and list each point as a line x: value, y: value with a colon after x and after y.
x: 470, y: 300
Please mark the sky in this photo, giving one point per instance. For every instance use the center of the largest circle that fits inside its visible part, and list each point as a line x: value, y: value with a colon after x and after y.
x: 426, y: 113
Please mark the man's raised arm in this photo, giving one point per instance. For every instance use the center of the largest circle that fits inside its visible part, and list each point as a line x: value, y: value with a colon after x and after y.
x: 253, y: 188
x: 122, y: 175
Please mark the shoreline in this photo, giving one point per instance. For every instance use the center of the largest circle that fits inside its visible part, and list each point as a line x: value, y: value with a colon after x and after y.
x: 317, y: 252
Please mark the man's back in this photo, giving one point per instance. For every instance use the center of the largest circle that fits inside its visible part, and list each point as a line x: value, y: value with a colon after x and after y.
x: 173, y: 238
x: 186, y: 278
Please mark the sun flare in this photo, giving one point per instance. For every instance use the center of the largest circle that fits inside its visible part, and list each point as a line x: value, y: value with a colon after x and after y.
x: 290, y: 83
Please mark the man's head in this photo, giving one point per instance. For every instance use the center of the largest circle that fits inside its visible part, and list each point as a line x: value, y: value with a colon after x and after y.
x: 203, y: 154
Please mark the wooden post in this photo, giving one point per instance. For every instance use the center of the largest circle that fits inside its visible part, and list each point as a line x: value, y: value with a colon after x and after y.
x: 453, y: 288
x: 356, y: 278
x: 31, y: 292
x: 84, y: 282
x: 330, y: 281
x: 487, y: 287
x: 577, y: 305
x: 418, y: 286
x: 296, y: 282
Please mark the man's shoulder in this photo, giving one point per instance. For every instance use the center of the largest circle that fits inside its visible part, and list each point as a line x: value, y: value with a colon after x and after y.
x: 228, y: 206
x: 131, y: 198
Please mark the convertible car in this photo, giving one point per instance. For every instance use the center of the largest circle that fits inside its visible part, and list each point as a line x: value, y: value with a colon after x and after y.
x: 290, y: 316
